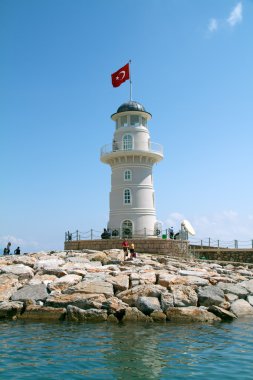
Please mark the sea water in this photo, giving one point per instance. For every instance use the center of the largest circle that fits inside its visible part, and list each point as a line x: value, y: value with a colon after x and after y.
x: 126, y: 351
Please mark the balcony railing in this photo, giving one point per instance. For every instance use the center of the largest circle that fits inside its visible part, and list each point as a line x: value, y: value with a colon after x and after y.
x: 115, y: 147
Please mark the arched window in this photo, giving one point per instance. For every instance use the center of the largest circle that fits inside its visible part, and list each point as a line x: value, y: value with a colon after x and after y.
x: 127, y: 228
x: 127, y: 197
x: 128, y: 175
x: 127, y: 142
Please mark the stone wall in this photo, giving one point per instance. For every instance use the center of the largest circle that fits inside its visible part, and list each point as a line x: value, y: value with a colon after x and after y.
x: 223, y: 254
x: 157, y: 245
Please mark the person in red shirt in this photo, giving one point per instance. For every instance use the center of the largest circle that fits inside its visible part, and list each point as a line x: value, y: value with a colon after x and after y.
x: 125, y: 247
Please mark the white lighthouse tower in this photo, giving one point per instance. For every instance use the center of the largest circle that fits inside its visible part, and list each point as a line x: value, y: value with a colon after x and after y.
x: 131, y: 156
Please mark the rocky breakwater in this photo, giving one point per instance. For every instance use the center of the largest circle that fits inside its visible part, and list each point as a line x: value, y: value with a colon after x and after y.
x: 99, y: 286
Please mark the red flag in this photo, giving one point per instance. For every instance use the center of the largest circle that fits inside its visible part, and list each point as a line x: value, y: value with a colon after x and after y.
x: 120, y: 76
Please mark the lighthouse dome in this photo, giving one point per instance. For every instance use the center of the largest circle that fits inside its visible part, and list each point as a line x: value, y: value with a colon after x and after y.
x: 131, y: 106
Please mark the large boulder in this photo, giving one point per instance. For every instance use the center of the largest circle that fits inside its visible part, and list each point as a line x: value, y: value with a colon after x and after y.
x: 132, y: 314
x: 119, y: 282
x: 92, y: 315
x: 210, y: 295
x: 43, y: 313
x: 222, y: 313
x: 241, y: 308
x: 248, y: 285
x: 148, y: 304
x: 167, y: 301
x: 81, y: 300
x: 184, y: 296
x: 93, y: 286
x: 8, y: 285
x: 31, y: 292
x: 238, y: 290
x: 65, y: 282
x: 10, y: 309
x: 130, y: 296
x: 23, y: 272
x: 114, y: 305
x: 190, y: 314
x: 49, y: 264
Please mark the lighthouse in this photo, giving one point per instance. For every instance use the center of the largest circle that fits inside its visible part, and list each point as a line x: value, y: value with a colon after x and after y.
x: 131, y: 156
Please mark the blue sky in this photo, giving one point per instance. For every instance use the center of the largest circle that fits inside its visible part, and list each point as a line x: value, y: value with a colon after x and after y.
x: 191, y: 68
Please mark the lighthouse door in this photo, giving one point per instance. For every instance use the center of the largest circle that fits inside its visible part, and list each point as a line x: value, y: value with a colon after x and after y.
x: 127, y: 229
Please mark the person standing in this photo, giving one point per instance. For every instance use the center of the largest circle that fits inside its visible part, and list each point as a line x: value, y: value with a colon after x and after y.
x: 125, y: 247
x: 132, y: 251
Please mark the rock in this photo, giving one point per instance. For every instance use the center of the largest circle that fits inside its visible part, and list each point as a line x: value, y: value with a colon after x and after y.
x: 10, y: 309
x: 133, y: 314
x: 158, y: 316
x: 23, y: 272
x: 42, y: 279
x: 184, y: 296
x: 195, y: 273
x: 222, y: 313
x: 113, y: 305
x: 120, y: 282
x: 98, y: 256
x: 148, y: 277
x: 231, y: 297
x: 148, y: 304
x: 250, y: 300
x: 111, y: 318
x: 92, y: 315
x: 248, y: 285
x: 26, y: 260
x: 49, y: 264
x: 58, y: 272
x: 190, y: 314
x: 241, y: 308
x: 31, y: 292
x: 8, y: 285
x: 236, y: 289
x: 43, y: 313
x: 210, y: 295
x: 95, y: 287
x: 81, y: 300
x: 65, y: 282
x: 167, y: 300
x: 130, y: 296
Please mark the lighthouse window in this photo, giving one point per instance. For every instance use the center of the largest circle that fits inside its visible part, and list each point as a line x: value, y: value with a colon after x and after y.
x: 144, y: 121
x: 127, y: 196
x: 123, y: 121
x: 127, y: 142
x: 128, y: 175
x: 134, y: 121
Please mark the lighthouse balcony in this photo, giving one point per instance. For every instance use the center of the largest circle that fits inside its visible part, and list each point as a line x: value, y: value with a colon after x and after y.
x: 109, y: 151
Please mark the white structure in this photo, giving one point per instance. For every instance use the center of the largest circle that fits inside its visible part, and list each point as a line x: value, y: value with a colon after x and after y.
x: 131, y: 157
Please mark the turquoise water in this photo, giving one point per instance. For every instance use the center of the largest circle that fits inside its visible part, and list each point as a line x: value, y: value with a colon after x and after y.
x: 106, y: 351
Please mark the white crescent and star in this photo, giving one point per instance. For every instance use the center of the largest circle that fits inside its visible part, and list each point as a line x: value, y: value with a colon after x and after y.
x: 122, y: 76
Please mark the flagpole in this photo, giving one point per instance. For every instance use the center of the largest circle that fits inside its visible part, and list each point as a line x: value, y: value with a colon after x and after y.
x: 130, y: 80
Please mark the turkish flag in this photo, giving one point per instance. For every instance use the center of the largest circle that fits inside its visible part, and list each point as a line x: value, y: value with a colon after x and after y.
x: 120, y: 76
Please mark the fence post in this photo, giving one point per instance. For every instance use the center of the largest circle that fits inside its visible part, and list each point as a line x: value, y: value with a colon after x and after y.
x: 209, y: 242
x: 91, y: 234
x: 252, y: 243
x: 201, y: 243
x: 77, y: 235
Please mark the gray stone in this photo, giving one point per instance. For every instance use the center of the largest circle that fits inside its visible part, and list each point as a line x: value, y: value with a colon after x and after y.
x: 250, y: 300
x: 148, y: 304
x: 22, y: 271
x: 241, y: 308
x: 10, y: 309
x: 238, y: 290
x: 133, y: 314
x: 95, y: 287
x: 191, y: 314
x: 184, y: 296
x: 210, y: 295
x: 79, y: 315
x: 81, y: 300
x: 222, y: 313
x: 248, y: 285
x: 31, y: 292
x: 43, y: 313
x: 167, y: 300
